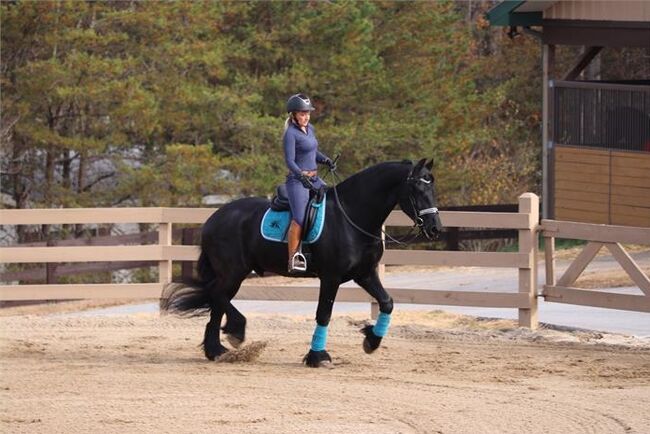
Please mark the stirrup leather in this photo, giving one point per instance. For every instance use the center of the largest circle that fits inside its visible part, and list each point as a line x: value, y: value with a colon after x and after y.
x: 298, y: 262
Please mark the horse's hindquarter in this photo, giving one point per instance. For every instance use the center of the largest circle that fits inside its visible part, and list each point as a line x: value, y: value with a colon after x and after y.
x: 233, y: 231
x: 225, y: 221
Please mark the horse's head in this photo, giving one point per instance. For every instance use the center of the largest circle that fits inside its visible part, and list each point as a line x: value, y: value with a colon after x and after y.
x: 418, y: 199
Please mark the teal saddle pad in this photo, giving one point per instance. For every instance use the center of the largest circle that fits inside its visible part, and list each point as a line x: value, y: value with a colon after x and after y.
x: 275, y: 224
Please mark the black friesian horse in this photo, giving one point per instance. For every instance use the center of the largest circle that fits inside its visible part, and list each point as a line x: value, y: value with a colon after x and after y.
x: 349, y: 248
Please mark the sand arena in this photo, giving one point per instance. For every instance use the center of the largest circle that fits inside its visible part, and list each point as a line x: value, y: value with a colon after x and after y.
x: 435, y: 372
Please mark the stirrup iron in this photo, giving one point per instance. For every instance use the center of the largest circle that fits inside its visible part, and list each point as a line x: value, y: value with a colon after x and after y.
x: 298, y: 262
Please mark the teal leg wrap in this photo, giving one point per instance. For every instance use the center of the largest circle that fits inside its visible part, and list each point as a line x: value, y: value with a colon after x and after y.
x: 381, y: 326
x: 319, y: 340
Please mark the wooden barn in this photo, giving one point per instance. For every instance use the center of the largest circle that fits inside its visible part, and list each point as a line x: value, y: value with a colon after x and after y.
x: 595, y: 134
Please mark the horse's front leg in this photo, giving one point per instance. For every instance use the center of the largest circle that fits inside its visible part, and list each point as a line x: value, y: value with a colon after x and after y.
x: 317, y: 355
x: 374, y: 334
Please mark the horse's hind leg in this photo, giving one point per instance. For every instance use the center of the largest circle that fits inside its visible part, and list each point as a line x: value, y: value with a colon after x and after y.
x: 235, y: 328
x: 221, y: 295
x: 374, y: 334
x: 211, y: 341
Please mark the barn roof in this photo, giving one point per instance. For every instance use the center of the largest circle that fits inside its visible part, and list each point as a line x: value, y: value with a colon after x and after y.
x: 591, y: 23
x: 506, y: 13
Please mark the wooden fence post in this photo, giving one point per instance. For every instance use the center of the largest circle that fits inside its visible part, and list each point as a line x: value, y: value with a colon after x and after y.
x: 549, y: 260
x: 529, y: 204
x: 187, y: 267
x: 165, y: 266
x: 50, y: 267
x: 453, y: 238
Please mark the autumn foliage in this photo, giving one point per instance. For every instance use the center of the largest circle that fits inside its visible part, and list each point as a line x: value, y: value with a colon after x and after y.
x: 162, y: 103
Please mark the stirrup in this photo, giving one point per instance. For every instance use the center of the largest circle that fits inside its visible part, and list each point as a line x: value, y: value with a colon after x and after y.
x: 298, y: 262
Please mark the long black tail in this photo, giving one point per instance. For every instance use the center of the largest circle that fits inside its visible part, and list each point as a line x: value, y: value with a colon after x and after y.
x: 190, y: 298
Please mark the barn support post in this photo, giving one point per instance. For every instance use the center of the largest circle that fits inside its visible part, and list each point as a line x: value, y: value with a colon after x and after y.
x: 164, y: 265
x: 548, y: 71
x: 529, y: 205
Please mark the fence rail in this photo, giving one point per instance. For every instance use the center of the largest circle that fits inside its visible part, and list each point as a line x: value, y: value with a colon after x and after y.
x: 165, y: 252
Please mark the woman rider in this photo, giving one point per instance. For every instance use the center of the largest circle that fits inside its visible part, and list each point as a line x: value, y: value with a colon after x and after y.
x: 301, y: 155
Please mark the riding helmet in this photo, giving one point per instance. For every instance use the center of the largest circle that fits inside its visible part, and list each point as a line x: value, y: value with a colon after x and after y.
x: 299, y: 103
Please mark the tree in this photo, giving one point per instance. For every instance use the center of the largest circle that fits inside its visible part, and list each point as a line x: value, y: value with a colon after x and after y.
x: 161, y: 103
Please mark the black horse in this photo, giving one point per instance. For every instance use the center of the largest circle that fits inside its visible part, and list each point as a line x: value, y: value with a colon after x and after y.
x: 349, y: 248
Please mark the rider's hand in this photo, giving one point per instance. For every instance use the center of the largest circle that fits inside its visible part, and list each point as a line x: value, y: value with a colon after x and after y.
x: 304, y: 180
x: 331, y: 165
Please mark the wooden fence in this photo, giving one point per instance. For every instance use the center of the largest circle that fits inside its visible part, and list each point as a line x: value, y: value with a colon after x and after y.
x: 52, y: 272
x: 597, y: 236
x: 165, y: 252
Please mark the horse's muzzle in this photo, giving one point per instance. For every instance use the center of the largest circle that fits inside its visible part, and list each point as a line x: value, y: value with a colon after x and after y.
x: 432, y: 226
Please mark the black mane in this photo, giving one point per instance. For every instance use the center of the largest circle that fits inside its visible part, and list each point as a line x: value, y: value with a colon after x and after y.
x: 391, y: 169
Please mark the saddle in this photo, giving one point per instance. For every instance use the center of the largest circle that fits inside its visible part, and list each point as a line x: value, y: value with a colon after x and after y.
x: 280, y: 202
x: 277, y: 219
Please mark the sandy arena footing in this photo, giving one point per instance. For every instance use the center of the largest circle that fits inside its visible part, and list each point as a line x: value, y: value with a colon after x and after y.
x: 435, y: 372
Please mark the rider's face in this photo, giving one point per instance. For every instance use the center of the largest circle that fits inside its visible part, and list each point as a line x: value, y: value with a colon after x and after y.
x: 302, y: 118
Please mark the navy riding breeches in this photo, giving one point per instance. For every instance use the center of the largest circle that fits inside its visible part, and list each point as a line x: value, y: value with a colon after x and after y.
x: 299, y: 196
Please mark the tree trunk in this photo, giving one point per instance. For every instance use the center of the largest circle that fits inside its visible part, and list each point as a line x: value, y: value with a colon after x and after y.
x: 81, y: 182
x: 66, y: 181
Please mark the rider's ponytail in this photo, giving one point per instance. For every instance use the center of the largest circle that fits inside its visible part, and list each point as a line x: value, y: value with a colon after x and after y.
x: 291, y: 119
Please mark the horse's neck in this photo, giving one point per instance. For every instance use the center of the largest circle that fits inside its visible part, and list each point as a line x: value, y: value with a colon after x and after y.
x: 368, y: 202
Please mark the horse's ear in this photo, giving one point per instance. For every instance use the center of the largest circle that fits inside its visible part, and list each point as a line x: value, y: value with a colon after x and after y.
x: 429, y: 165
x: 420, y: 164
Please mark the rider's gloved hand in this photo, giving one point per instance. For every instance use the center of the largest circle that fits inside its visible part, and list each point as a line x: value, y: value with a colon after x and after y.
x: 331, y: 165
x: 304, y: 180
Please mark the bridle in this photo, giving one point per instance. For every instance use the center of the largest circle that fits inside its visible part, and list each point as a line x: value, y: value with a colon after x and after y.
x: 418, y: 221
x: 417, y: 214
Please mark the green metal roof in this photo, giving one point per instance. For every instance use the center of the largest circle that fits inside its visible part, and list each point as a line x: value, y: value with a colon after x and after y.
x: 505, y: 14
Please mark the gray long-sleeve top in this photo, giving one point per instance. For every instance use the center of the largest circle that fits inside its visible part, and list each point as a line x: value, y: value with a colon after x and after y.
x: 301, y: 150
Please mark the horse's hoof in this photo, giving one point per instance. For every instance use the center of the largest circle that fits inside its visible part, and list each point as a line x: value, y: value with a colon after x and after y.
x: 235, y: 340
x: 371, y: 341
x: 214, y: 353
x: 317, y: 359
x: 235, y: 333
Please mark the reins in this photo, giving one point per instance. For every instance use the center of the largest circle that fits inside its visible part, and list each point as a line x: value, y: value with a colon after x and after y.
x: 401, y: 241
